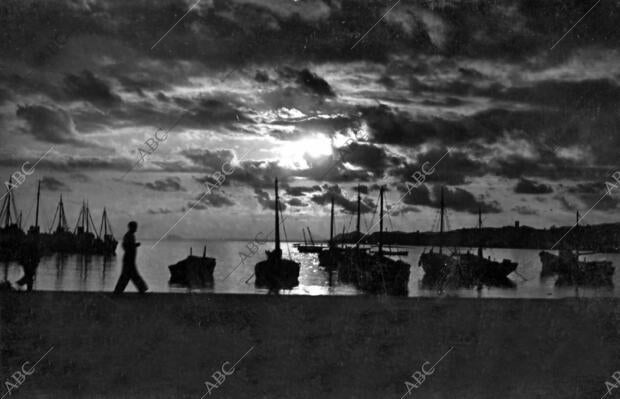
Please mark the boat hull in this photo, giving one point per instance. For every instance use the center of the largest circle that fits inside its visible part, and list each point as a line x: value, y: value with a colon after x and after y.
x: 193, y: 271
x: 310, y: 249
x: 277, y: 273
x: 572, y: 271
x: 374, y: 273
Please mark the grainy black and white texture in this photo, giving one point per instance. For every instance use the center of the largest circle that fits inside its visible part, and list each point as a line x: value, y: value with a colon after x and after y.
x: 181, y: 113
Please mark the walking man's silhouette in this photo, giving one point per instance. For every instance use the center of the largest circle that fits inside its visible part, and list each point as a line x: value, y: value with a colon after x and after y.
x: 130, y: 272
x: 28, y: 255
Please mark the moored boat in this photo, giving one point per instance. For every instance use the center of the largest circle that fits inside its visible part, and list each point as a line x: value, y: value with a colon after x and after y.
x: 476, y: 269
x: 308, y: 248
x: 11, y: 233
x: 573, y: 271
x: 436, y: 265
x: 329, y: 257
x: 193, y: 271
x: 276, y: 273
x: 374, y: 273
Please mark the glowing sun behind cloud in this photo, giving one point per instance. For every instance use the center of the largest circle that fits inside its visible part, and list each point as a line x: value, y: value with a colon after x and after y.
x: 291, y: 154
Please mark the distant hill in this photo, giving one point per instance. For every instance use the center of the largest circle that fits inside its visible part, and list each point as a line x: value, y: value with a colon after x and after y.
x: 600, y: 238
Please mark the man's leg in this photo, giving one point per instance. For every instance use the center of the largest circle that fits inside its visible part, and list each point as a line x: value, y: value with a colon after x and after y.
x: 123, y: 280
x: 29, y: 281
x: 138, y: 281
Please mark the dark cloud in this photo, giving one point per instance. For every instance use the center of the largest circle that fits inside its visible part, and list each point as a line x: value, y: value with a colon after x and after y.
x: 348, y: 205
x: 266, y: 201
x: 595, y: 195
x: 86, y: 86
x: 52, y: 125
x: 315, y: 83
x: 451, y: 168
x: 455, y: 198
x: 211, y: 160
x: 213, y: 112
x: 53, y: 184
x: 296, y: 202
x: 526, y: 186
x: 261, y: 77
x: 214, y: 199
x: 298, y: 191
x: 169, y: 184
x: 159, y: 211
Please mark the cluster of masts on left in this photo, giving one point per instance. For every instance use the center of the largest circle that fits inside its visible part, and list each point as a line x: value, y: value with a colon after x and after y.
x: 85, y: 238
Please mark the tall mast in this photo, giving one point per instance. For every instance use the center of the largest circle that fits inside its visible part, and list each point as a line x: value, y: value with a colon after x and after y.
x: 36, y: 219
x: 381, y: 223
x: 441, y: 223
x: 277, y: 207
x: 8, y: 204
x: 331, y: 226
x: 480, y: 232
x: 577, y: 241
x: 62, y: 219
x: 359, y: 202
x: 304, y: 234
x: 105, y: 223
x: 310, y: 235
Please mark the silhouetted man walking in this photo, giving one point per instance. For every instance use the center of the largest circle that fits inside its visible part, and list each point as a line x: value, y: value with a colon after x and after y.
x: 29, y: 259
x: 130, y: 272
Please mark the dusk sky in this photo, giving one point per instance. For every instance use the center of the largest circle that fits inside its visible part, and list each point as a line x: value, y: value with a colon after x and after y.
x: 276, y: 87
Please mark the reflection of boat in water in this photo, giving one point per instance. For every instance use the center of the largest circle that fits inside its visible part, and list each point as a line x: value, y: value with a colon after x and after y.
x: 374, y: 273
x: 276, y: 273
x: 573, y: 271
x: 308, y: 249
x: 193, y: 271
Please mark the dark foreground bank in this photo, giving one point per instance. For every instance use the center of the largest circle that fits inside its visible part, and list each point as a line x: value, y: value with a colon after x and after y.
x: 169, y: 345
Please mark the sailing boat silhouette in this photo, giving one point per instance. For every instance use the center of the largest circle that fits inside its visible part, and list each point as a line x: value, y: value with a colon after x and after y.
x: 276, y: 273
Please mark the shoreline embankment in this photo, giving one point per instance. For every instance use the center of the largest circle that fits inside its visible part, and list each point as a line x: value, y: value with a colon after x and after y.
x: 170, y: 345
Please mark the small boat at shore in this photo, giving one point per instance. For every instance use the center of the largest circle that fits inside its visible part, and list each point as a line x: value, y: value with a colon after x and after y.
x: 276, y: 273
x: 329, y: 257
x: 84, y: 239
x: 464, y: 269
x: 308, y: 248
x: 11, y: 233
x: 193, y: 271
x: 436, y: 265
x: 573, y: 271
x: 476, y: 269
x: 374, y: 273
x: 395, y: 252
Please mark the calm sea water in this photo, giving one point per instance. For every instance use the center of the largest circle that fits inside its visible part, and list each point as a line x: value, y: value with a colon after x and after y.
x: 94, y: 273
